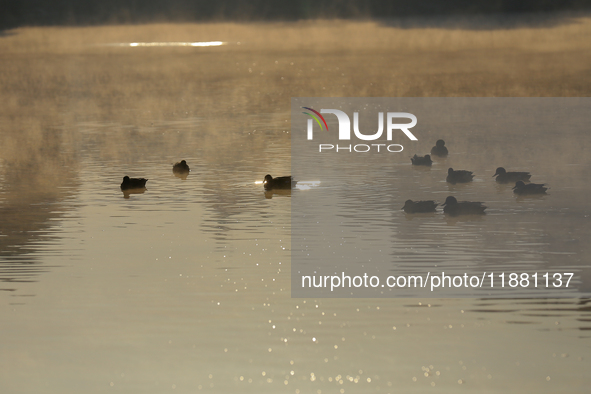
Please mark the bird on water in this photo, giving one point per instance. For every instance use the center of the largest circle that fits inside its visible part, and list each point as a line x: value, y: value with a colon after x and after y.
x: 509, y: 177
x: 181, y: 167
x: 523, y: 189
x: 411, y: 206
x: 439, y: 149
x: 421, y: 160
x: 453, y: 207
x: 280, y: 182
x: 133, y: 183
x: 459, y: 176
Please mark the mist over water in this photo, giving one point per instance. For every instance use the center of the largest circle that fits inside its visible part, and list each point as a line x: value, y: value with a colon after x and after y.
x: 186, y: 286
x: 353, y: 223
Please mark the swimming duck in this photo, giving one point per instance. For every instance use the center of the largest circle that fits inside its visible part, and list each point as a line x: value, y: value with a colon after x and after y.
x: 411, y: 206
x: 531, y: 188
x: 281, y: 182
x: 439, y: 149
x: 459, y: 176
x: 181, y: 167
x: 421, y: 160
x: 509, y: 177
x: 133, y: 183
x: 453, y: 207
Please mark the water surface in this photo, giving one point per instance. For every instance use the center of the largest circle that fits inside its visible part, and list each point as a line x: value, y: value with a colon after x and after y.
x: 186, y: 287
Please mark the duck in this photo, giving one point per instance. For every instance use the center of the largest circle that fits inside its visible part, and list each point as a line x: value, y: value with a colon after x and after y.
x: 280, y: 182
x: 181, y: 167
x: 459, y: 176
x: 522, y: 189
x: 509, y: 177
x: 453, y: 207
x: 411, y: 206
x: 439, y: 149
x: 133, y: 183
x: 421, y: 160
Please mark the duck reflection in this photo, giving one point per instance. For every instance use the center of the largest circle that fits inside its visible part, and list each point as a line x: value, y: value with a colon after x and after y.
x: 420, y: 169
x: 412, y: 216
x: 286, y: 192
x: 129, y: 192
x: 270, y: 193
x: 529, y: 197
x: 452, y: 220
x: 458, y: 187
x: 182, y: 175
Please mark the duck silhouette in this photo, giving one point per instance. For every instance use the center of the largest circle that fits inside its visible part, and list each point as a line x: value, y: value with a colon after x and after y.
x: 523, y: 189
x: 133, y: 183
x: 459, y: 176
x: 439, y: 149
x: 509, y: 177
x: 280, y: 182
x: 181, y: 167
x: 421, y: 160
x: 411, y: 206
x: 453, y: 207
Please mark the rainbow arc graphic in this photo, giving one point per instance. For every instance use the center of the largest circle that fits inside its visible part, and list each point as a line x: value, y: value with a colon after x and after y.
x: 316, y: 117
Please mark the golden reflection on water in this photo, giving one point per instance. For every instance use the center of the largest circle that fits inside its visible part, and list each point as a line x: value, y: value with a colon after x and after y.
x: 169, y: 44
x: 187, y: 286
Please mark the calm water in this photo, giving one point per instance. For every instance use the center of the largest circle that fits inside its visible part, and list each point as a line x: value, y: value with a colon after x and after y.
x: 353, y: 224
x: 186, y: 287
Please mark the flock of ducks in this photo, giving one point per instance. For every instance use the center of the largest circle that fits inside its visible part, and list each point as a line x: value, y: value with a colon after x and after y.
x: 454, y: 207
x: 182, y: 170
x: 451, y: 205
x: 138, y: 185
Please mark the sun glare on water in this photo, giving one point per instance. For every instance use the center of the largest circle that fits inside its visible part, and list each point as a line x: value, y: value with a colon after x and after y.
x: 170, y: 44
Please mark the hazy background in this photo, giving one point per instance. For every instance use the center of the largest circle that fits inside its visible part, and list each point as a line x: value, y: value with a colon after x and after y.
x: 161, y: 290
x: 57, y: 82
